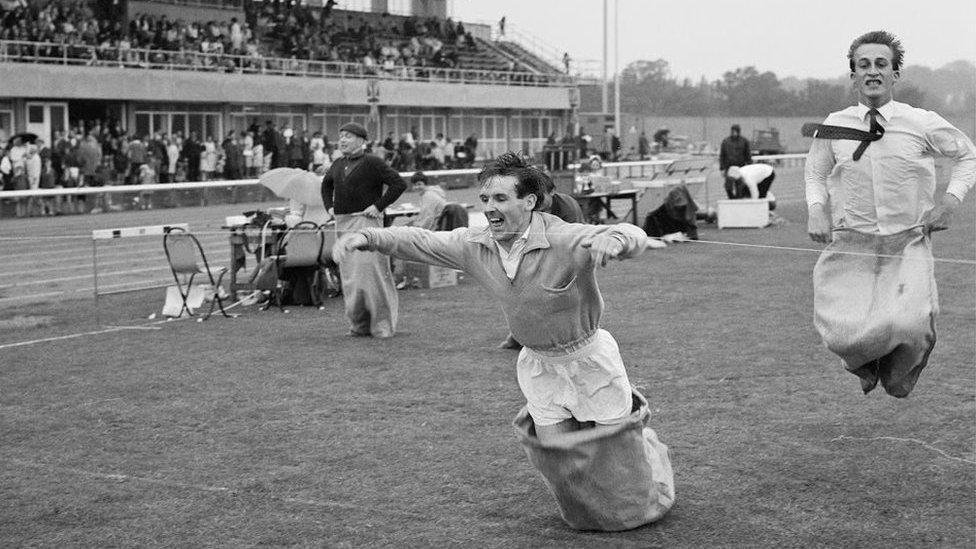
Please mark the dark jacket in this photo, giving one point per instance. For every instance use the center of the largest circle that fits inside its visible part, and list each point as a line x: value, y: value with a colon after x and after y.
x: 352, y: 185
x: 565, y: 207
x: 734, y: 152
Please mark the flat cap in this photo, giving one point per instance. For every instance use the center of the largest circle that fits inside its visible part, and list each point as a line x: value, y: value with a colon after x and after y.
x: 354, y: 128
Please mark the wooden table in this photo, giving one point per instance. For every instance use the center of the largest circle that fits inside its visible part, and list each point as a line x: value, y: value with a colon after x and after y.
x: 394, y: 212
x: 608, y: 197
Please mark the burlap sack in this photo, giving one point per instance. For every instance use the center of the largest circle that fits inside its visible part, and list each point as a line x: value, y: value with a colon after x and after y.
x: 877, y: 309
x: 615, y: 481
x: 367, y: 284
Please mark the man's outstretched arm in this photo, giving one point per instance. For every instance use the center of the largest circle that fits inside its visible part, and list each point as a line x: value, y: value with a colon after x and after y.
x: 619, y: 241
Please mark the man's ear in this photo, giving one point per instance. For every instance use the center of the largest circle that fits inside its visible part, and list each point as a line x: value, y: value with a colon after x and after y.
x: 530, y: 201
x: 896, y: 75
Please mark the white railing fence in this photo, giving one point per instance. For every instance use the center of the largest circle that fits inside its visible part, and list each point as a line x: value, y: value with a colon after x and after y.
x: 18, y: 51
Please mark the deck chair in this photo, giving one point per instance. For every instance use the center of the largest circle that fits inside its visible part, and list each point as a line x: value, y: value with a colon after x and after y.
x: 187, y: 260
x: 301, y: 246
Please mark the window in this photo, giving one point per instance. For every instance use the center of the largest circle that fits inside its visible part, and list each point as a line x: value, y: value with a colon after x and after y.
x: 143, y: 125
x: 6, y: 124
x: 35, y: 114
x: 204, y: 123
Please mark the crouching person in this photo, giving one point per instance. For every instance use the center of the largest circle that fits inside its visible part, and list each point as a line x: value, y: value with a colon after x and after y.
x: 583, y: 426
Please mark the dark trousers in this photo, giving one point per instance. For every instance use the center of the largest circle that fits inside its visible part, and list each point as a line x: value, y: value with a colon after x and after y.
x: 735, y: 188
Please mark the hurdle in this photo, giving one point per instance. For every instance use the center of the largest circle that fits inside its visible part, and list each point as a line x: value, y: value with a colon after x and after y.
x: 119, y: 233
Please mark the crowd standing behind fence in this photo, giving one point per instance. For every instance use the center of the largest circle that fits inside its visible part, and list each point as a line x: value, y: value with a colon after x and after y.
x: 97, y: 154
x: 274, y: 36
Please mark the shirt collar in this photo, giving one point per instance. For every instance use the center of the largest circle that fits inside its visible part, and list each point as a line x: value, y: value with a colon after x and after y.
x: 886, y: 111
x: 535, y: 234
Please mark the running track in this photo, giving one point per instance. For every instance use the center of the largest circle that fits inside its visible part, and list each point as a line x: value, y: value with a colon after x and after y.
x: 50, y: 258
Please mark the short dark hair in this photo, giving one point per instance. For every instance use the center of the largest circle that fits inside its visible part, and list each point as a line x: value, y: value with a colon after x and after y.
x: 418, y: 177
x: 884, y: 38
x: 530, y: 180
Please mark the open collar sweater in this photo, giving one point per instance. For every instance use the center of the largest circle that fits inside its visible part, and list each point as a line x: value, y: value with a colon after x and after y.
x: 353, y: 184
x: 553, y: 301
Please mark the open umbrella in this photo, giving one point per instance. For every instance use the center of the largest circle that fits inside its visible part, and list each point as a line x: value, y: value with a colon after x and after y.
x: 302, y: 186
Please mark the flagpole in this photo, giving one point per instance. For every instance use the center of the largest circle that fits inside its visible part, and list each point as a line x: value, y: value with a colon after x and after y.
x: 616, y: 68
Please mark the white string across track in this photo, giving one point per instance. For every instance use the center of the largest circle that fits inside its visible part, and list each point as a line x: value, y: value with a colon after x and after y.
x: 710, y: 242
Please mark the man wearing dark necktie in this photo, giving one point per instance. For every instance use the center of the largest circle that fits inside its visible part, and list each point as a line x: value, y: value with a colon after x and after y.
x: 870, y: 184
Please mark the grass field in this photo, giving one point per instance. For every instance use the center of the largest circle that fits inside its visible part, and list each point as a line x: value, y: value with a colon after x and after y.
x: 277, y: 430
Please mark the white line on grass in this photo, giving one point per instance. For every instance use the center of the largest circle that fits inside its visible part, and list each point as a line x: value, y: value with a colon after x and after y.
x: 119, y: 477
x: 72, y: 336
x: 915, y: 440
x: 149, y: 326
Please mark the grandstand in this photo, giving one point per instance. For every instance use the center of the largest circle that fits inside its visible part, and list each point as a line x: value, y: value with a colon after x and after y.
x: 214, y: 66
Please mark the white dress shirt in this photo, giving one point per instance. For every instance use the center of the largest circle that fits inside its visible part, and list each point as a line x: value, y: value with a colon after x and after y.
x: 513, y: 257
x: 892, y: 186
x: 753, y: 175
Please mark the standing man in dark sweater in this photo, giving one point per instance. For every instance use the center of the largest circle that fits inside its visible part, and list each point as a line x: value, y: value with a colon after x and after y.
x: 735, y: 151
x: 353, y: 189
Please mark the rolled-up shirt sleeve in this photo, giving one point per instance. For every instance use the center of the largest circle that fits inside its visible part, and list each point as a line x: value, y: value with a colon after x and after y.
x: 819, y: 163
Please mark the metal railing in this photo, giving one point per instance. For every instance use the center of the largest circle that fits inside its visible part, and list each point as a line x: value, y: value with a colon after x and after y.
x: 15, y: 51
x: 617, y: 170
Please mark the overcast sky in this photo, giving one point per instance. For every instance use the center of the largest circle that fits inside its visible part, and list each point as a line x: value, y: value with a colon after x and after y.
x: 807, y: 38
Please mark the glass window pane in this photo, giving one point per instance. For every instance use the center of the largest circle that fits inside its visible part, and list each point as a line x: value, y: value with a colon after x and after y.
x: 58, y: 118
x: 318, y: 123
x: 35, y: 114
x: 455, y: 128
x: 143, y: 127
x: 215, y: 125
x: 159, y: 123
x: 6, y: 124
x: 179, y: 124
x: 196, y: 125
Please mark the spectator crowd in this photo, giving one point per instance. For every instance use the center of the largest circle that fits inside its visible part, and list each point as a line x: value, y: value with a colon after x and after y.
x: 276, y: 35
x: 98, y: 153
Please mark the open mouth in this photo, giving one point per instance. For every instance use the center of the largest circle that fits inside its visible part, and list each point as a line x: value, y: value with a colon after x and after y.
x: 872, y: 82
x: 495, y: 221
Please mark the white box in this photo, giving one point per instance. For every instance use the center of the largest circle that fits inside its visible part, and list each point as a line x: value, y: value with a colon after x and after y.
x: 749, y: 213
x: 428, y: 276
x: 235, y: 220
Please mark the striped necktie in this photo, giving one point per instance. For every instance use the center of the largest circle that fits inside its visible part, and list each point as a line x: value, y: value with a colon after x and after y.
x: 875, y: 130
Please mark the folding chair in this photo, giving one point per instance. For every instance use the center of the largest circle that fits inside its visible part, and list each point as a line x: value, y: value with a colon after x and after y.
x: 185, y: 255
x: 301, y: 246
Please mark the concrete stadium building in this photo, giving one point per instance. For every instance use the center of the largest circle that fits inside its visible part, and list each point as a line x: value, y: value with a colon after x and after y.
x: 498, y: 91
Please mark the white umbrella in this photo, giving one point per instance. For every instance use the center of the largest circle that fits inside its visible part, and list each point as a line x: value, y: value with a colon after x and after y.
x: 300, y: 185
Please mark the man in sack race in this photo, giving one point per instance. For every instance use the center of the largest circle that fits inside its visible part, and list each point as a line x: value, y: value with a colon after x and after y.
x: 870, y: 187
x: 353, y: 189
x: 584, y: 427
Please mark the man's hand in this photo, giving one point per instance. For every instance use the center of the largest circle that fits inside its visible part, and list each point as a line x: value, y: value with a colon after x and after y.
x: 603, y: 248
x: 347, y: 244
x: 373, y: 212
x: 818, y: 224
x: 940, y: 217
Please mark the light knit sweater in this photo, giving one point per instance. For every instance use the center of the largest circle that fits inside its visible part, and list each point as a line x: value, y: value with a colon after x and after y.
x: 553, y: 301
